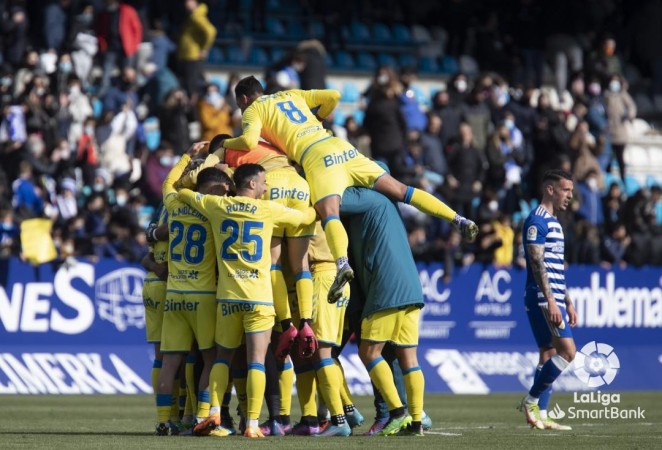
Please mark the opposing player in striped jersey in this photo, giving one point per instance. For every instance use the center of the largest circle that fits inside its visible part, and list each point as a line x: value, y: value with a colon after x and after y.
x: 546, y: 298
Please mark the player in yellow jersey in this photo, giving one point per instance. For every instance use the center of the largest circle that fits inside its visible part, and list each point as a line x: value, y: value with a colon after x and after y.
x: 241, y: 225
x: 331, y: 164
x: 190, y: 307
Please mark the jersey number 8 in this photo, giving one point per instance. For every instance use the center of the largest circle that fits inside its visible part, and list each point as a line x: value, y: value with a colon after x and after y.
x: 292, y: 112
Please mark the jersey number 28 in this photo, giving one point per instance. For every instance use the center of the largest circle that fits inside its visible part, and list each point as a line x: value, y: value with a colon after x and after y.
x: 194, y: 242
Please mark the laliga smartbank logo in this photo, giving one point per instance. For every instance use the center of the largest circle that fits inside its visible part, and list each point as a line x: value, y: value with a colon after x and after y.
x: 596, y: 364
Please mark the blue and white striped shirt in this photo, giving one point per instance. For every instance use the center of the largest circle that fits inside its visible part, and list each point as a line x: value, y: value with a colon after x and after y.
x: 544, y: 229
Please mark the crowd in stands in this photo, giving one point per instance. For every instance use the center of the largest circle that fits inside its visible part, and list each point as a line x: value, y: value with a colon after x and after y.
x: 93, y: 120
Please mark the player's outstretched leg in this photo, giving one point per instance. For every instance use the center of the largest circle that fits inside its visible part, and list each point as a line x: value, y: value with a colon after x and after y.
x: 329, y: 210
x: 426, y: 203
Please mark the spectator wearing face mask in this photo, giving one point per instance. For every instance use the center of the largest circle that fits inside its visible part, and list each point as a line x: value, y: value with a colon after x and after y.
x: 620, y: 110
x: 214, y: 114
x: 590, y: 199
x: 598, y: 123
x: 67, y: 204
x: 157, y: 167
x: 86, y: 152
x: 82, y: 43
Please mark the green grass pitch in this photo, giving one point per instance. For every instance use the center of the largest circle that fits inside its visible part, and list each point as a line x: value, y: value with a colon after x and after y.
x: 459, y: 421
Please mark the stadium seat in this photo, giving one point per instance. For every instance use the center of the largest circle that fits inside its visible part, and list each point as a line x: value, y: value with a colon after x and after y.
x: 407, y: 60
x: 344, y: 60
x: 632, y: 185
x: 152, y: 133
x: 381, y: 33
x: 221, y: 82
x: 366, y: 61
x: 350, y: 93
x: 359, y: 32
x: 295, y: 29
x: 401, y: 34
x: 235, y: 55
x: 658, y: 213
x: 359, y: 116
x: 449, y: 65
x: 332, y: 85
x: 339, y: 117
x: 316, y: 29
x: 275, y: 27
x: 420, y: 34
x: 277, y: 53
x: 428, y: 65
x: 386, y: 59
x: 328, y: 60
x: 215, y: 55
x: 651, y: 181
x: 259, y: 56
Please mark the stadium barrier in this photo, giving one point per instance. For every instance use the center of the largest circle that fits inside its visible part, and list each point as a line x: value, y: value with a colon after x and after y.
x: 80, y: 329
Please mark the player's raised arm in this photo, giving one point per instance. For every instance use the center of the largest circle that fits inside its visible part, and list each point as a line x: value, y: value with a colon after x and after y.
x: 251, y: 126
x: 325, y: 100
x: 174, y: 175
x: 282, y: 215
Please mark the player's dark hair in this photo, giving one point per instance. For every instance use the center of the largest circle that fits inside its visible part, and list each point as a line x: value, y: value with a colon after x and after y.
x: 555, y: 175
x: 248, y: 86
x: 245, y: 173
x: 217, y: 142
x: 213, y: 175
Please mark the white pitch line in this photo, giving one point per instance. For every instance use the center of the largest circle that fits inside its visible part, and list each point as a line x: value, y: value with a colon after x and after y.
x: 441, y: 433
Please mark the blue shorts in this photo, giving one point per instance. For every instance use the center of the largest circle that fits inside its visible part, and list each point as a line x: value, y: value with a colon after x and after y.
x: 543, y: 329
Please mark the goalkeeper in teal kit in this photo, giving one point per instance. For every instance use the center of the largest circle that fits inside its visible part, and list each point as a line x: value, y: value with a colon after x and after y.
x: 393, y: 297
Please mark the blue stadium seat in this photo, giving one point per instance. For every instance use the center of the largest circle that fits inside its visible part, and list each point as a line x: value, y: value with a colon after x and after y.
x: 358, y: 32
x: 235, y: 55
x: 658, y: 213
x: 366, y: 61
x: 407, y: 60
x: 381, y: 33
x: 652, y: 181
x: 328, y: 60
x: 259, y: 56
x: 631, y: 185
x: 359, y: 115
x: 275, y: 27
x: 316, y: 29
x: 344, y: 60
x: 428, y: 65
x: 215, y: 55
x: 339, y: 116
x: 401, y: 34
x: 350, y: 93
x: 386, y: 59
x: 295, y: 29
x: 221, y: 82
x: 449, y: 65
x: 277, y: 53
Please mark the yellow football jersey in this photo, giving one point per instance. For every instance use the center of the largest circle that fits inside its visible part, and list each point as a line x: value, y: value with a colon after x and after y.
x: 242, y: 228
x: 191, y: 265
x: 318, y: 250
x: 159, y: 248
x: 285, y: 120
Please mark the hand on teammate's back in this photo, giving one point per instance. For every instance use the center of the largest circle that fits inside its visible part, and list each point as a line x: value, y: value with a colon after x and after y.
x: 196, y: 148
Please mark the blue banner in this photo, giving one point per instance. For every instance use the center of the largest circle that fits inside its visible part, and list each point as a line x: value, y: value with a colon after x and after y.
x: 81, y: 329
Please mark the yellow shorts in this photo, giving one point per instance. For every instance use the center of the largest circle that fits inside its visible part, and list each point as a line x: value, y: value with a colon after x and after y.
x: 233, y: 319
x: 287, y: 187
x: 154, y: 294
x: 399, y: 326
x: 187, y: 317
x: 334, y: 165
x: 328, y: 319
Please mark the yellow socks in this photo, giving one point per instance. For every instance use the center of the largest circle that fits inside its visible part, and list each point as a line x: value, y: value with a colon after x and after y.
x: 189, y: 374
x: 329, y: 378
x: 218, y: 382
x: 345, y: 395
x: 239, y: 380
x: 304, y: 287
x: 415, y: 386
x: 163, y: 407
x: 255, y: 386
x: 306, y: 388
x: 428, y: 203
x: 381, y: 374
x: 281, y: 303
x: 156, y: 370
x: 336, y: 237
x: 285, y: 382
